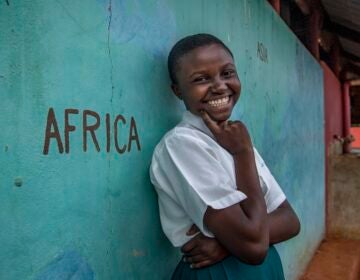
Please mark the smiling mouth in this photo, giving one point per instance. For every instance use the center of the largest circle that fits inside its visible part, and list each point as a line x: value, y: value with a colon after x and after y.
x: 219, y: 102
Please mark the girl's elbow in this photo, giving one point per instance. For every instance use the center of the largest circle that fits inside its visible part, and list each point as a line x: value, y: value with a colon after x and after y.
x: 296, y: 227
x: 257, y: 258
x: 294, y: 222
x: 254, y: 254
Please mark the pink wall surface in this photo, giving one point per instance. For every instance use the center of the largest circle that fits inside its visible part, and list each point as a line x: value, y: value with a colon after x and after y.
x: 355, y: 131
x: 333, y: 116
x: 332, y: 106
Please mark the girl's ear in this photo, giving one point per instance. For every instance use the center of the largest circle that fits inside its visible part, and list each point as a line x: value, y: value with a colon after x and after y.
x: 176, y: 90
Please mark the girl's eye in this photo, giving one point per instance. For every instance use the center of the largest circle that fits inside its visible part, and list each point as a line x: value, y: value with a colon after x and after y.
x: 229, y: 73
x: 200, y: 79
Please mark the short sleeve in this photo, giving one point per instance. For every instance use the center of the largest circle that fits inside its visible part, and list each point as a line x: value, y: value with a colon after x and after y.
x: 274, y: 195
x: 195, y: 178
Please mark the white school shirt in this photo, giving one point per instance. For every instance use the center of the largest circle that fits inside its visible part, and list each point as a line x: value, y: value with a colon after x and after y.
x: 191, y: 171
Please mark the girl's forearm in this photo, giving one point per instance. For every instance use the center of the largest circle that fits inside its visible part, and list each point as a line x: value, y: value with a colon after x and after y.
x: 247, y: 181
x: 283, y: 223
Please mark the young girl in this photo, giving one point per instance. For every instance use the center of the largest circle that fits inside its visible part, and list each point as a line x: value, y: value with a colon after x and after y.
x: 218, y: 201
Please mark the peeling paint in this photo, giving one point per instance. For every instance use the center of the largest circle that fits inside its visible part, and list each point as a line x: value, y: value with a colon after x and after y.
x: 18, y: 182
x: 138, y: 253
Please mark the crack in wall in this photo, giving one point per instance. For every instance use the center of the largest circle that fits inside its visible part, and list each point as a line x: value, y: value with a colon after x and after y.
x: 108, y: 265
x: 111, y: 70
x: 111, y: 79
x: 109, y: 52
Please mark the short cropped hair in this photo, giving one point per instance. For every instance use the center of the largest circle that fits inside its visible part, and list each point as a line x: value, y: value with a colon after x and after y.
x: 188, y: 44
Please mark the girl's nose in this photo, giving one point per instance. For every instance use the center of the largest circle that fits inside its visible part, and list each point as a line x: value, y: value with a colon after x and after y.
x: 218, y: 85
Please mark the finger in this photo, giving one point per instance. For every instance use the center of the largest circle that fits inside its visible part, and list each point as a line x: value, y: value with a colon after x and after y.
x: 194, y: 229
x: 210, y: 123
x: 202, y: 264
x: 196, y: 258
x: 195, y: 250
x: 190, y: 245
x: 222, y: 124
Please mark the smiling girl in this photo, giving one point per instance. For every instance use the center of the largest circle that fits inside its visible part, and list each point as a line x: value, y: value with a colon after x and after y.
x: 218, y: 201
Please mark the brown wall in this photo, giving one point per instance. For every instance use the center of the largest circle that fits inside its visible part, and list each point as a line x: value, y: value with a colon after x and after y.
x: 344, y: 196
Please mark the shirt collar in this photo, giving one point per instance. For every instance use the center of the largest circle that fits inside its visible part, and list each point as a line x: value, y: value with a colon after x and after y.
x: 196, y: 122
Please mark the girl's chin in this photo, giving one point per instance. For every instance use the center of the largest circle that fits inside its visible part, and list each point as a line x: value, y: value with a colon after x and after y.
x: 215, y: 115
x: 220, y: 117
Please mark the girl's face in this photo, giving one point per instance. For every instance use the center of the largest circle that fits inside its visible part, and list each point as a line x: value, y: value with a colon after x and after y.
x: 207, y: 80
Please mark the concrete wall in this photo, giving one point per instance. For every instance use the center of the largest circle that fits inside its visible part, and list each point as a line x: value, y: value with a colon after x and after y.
x: 76, y: 201
x: 344, y: 197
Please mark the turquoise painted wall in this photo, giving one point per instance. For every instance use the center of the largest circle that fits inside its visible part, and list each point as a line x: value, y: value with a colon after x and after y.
x: 93, y: 214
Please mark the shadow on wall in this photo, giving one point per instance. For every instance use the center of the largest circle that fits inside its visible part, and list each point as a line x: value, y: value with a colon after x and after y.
x: 69, y: 265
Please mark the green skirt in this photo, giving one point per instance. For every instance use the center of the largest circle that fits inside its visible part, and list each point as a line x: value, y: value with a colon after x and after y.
x: 232, y: 268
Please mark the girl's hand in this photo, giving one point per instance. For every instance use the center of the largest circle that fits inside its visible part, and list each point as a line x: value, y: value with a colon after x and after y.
x: 231, y: 135
x: 202, y: 251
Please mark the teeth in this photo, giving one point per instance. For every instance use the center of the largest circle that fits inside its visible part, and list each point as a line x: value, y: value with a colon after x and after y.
x: 219, y: 102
